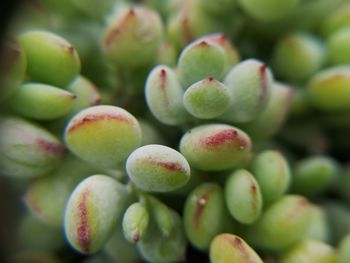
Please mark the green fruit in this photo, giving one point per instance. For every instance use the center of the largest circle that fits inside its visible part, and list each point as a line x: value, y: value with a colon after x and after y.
x: 243, y: 197
x: 205, y: 215
x: 164, y: 94
x: 250, y: 84
x: 207, y: 99
x: 282, y: 224
x: 297, y: 56
x: 41, y: 101
x: 103, y: 135
x: 27, y: 150
x: 314, y: 175
x: 215, y: 147
x: 329, y: 89
x: 132, y: 37
x: 51, y: 59
x: 135, y: 222
x: 199, y: 60
x: 157, y: 168
x: 93, y: 211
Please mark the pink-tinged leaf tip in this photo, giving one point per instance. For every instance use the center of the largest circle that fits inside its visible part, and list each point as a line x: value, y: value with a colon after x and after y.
x: 83, y: 234
x: 201, y: 203
x: 94, y: 118
x: 222, y: 137
x: 51, y: 148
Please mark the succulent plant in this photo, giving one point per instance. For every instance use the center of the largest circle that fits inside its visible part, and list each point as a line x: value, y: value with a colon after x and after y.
x: 51, y: 59
x: 176, y: 131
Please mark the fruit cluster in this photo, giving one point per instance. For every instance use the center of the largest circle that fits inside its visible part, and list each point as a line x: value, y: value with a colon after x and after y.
x: 178, y: 131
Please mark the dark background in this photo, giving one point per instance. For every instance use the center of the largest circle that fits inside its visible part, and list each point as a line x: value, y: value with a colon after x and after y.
x: 8, y: 205
x: 7, y: 9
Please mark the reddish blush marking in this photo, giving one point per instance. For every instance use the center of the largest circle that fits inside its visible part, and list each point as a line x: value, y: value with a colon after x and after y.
x: 50, y: 147
x: 163, y: 81
x: 253, y: 191
x: 116, y: 31
x: 295, y: 211
x: 223, y: 137
x: 70, y: 50
x: 238, y: 243
x: 162, y: 77
x: 171, y: 166
x: 83, y: 235
x: 263, y: 81
x: 201, y: 203
x: 203, y: 44
x: 65, y: 46
x: 220, y: 38
x: 174, y: 167
x: 136, y: 237
x: 211, y: 79
x: 94, y: 118
x: 223, y: 40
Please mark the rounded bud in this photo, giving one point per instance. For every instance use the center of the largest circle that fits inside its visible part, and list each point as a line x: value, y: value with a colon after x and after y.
x: 41, y: 101
x: 51, y: 59
x: 282, y: 224
x: 207, y: 99
x: 135, y: 222
x: 132, y: 37
x: 243, y: 197
x: 297, y: 56
x: 157, y: 168
x: 250, y: 84
x: 199, y: 60
x: 27, y: 150
x: 215, y: 147
x: 164, y: 94
x: 103, y: 135
x: 90, y: 218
